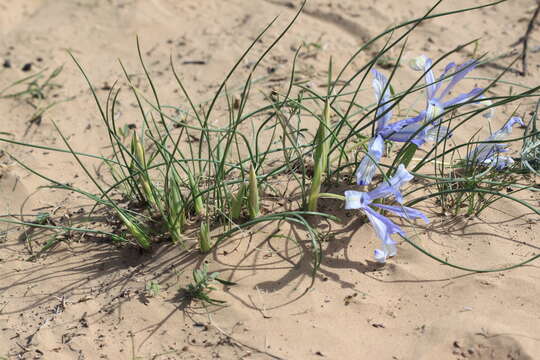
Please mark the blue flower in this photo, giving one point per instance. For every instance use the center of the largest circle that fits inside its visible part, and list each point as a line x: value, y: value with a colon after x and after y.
x: 384, y: 228
x: 383, y: 131
x: 436, y: 102
x: 490, y: 154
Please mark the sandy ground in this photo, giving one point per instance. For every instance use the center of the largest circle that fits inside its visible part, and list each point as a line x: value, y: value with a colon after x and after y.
x: 87, y: 299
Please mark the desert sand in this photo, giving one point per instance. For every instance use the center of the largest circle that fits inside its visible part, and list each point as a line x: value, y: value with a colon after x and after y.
x: 88, y: 299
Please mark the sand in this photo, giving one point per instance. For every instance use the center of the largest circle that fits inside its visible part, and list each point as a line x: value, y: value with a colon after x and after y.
x: 88, y: 299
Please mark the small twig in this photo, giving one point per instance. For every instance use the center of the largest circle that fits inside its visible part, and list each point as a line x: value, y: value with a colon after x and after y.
x: 240, y: 343
x: 261, y: 308
x: 525, y: 39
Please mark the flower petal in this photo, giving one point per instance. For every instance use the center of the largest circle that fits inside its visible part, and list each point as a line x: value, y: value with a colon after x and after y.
x: 487, y: 103
x: 418, y: 63
x: 499, y: 162
x: 403, y: 211
x: 392, y: 185
x: 430, y: 79
x: 354, y: 200
x: 415, y: 133
x: 389, y: 130
x: 380, y: 256
x: 484, y: 152
x: 368, y: 166
x: 434, y: 110
x: 384, y: 228
x: 506, y: 130
x: 462, y: 98
x: 461, y: 71
x: 382, y: 96
x: 388, y: 250
x: 442, y: 78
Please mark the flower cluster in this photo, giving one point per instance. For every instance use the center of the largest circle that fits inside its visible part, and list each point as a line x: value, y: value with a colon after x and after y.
x: 418, y: 130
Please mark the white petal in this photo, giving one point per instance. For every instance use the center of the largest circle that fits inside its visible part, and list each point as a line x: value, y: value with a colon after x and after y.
x: 380, y: 256
x: 434, y: 110
x: 418, y: 63
x: 353, y: 199
x: 391, y: 249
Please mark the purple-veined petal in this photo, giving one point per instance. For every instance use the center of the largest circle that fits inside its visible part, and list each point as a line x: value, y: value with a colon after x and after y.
x: 513, y: 121
x: 415, y: 133
x: 383, y: 226
x: 499, y: 162
x: 392, y: 186
x: 354, y: 200
x: 461, y: 71
x: 462, y: 98
x: 401, y: 176
x: 382, y: 96
x: 484, y: 152
x: 430, y: 79
x: 391, y: 249
x: 443, y: 75
x: 368, y: 165
x: 379, y: 84
x: 506, y: 130
x: 403, y: 211
x: 397, y: 126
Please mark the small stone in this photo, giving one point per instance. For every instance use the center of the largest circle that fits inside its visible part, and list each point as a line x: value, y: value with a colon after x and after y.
x: 27, y: 67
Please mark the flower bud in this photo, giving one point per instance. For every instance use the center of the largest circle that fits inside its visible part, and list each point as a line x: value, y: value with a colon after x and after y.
x: 253, y: 194
x: 204, y: 237
x: 134, y: 229
x: 176, y: 216
x: 138, y: 150
x: 237, y: 202
x: 418, y: 63
x: 195, y: 193
x: 322, y: 145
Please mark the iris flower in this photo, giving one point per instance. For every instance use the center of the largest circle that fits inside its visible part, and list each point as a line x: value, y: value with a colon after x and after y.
x: 489, y: 154
x: 436, y: 103
x: 384, y: 227
x: 437, y: 99
x: 384, y: 130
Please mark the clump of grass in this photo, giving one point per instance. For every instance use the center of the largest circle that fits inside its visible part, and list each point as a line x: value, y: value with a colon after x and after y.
x: 185, y: 170
x: 35, y: 90
x: 530, y: 151
x: 202, y: 285
x: 152, y: 288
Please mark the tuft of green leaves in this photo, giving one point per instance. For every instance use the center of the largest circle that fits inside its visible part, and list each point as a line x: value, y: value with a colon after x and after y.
x: 202, y: 285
